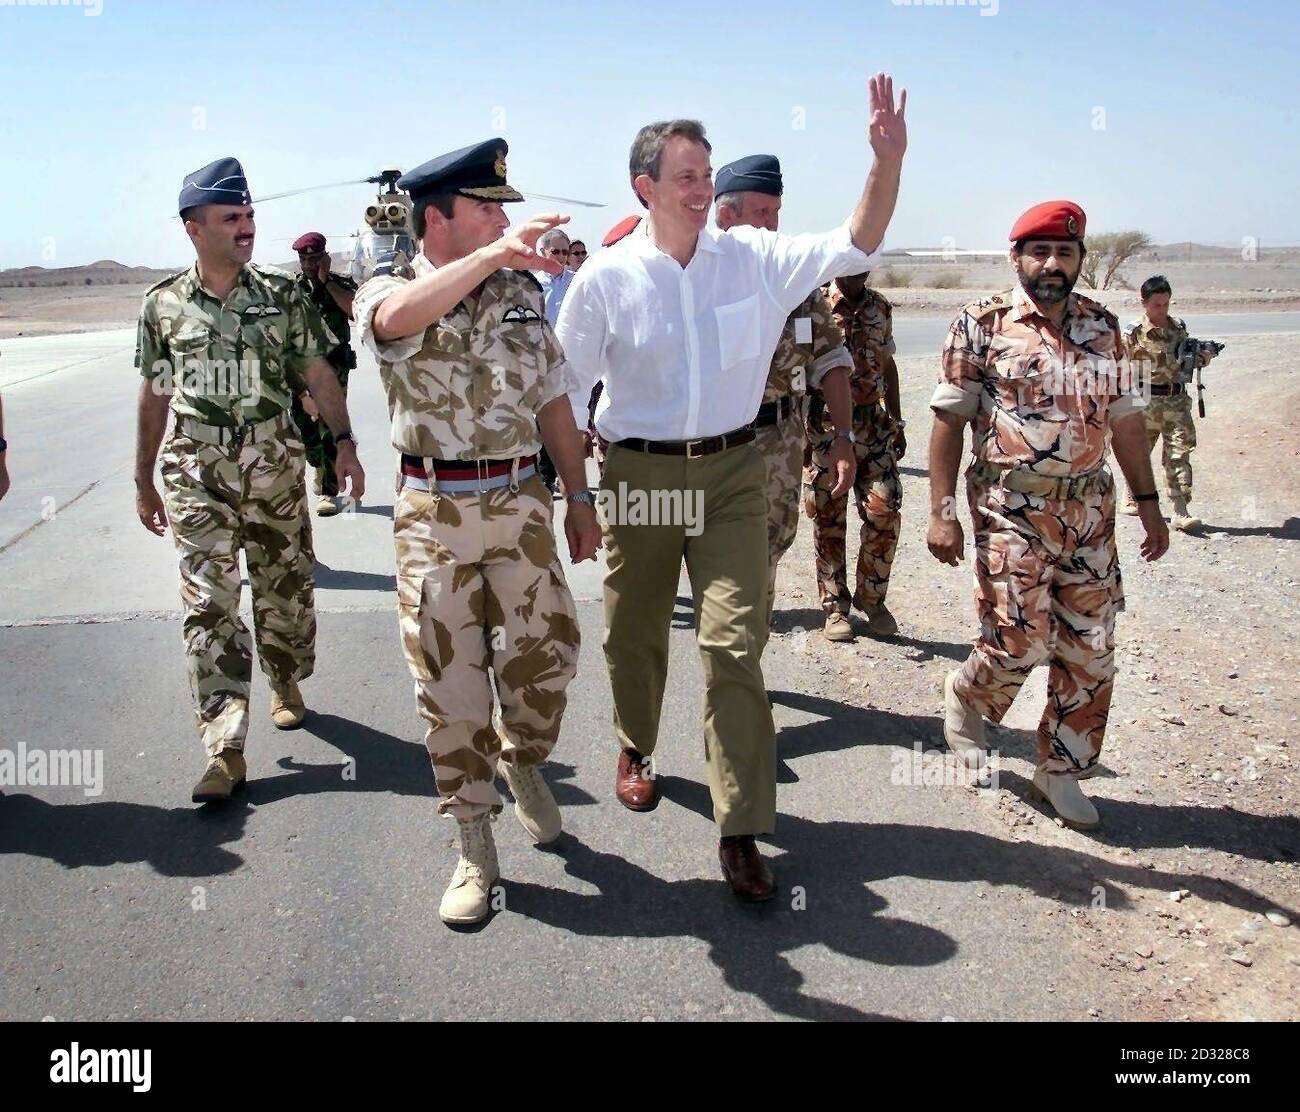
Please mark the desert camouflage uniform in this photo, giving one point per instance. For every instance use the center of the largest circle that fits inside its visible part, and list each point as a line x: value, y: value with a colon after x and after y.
x: 804, y: 353
x: 235, y: 367
x: 479, y: 583
x: 1047, y: 571
x: 869, y: 337
x: 1153, y: 353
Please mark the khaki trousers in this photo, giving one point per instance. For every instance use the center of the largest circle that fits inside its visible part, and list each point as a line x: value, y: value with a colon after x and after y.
x: 727, y: 563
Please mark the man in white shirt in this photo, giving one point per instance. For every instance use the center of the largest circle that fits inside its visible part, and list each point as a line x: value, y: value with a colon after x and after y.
x: 681, y: 320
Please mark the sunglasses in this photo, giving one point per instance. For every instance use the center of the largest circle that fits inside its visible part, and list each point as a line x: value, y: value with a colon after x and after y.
x: 580, y: 252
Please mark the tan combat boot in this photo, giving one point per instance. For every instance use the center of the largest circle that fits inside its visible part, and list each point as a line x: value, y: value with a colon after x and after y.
x: 225, y: 773
x: 1184, y: 520
x: 468, y: 896
x: 837, y: 627
x: 963, y: 728
x: 535, y: 806
x: 287, y: 708
x: 327, y: 506
x: 880, y: 622
x: 1066, y: 798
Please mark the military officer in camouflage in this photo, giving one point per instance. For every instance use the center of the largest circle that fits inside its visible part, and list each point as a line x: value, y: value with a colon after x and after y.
x: 866, y: 319
x: 1152, y: 346
x: 810, y: 354
x: 332, y: 294
x: 472, y: 371
x: 229, y: 344
x: 1039, y: 373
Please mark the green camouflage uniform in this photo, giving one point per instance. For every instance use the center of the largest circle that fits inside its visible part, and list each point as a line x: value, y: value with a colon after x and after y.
x: 868, y: 327
x: 810, y: 345
x: 1167, y: 415
x: 318, y: 441
x: 233, y: 479
x: 479, y: 583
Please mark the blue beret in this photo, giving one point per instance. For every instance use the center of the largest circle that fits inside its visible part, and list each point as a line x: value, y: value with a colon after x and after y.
x: 758, y: 173
x: 478, y: 170
x: 218, y: 183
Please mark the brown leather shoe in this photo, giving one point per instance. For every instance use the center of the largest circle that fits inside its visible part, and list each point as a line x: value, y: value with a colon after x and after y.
x: 746, y: 871
x: 634, y: 782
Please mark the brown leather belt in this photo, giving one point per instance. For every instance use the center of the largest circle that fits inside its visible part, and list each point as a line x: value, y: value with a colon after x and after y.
x: 691, y: 449
x: 1165, y: 390
x: 776, y: 411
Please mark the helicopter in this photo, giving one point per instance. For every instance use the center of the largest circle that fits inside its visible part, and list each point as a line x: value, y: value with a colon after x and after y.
x: 388, y: 227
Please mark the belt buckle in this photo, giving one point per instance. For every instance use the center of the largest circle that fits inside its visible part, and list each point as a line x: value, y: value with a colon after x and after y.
x: 237, y: 435
x: 691, y: 445
x: 480, y: 475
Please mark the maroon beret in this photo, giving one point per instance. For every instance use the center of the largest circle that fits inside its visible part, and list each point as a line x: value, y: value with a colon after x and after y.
x: 310, y: 242
x: 623, y: 228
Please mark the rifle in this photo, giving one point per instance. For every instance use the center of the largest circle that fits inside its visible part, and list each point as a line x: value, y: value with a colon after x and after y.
x: 1189, y: 365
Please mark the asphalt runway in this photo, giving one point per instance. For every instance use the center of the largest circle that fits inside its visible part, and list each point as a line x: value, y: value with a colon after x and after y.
x: 315, y: 896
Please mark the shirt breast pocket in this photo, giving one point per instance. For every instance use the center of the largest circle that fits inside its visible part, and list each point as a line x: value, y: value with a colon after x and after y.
x: 1024, y: 380
x: 738, y: 339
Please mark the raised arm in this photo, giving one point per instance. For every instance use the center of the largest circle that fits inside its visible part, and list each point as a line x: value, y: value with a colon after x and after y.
x: 430, y: 297
x: 888, y: 135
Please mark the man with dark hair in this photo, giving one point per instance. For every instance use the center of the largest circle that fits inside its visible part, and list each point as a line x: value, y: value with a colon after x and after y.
x: 682, y: 320
x: 1153, y: 340
x: 810, y: 355
x: 577, y: 254
x: 332, y: 294
x: 475, y: 382
x: 1036, y: 372
x: 230, y: 344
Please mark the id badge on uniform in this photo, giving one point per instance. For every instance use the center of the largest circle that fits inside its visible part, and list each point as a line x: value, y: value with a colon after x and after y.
x: 803, y: 330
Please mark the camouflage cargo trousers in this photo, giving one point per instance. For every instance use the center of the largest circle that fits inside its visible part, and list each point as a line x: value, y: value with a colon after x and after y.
x: 219, y: 500
x: 878, y: 495
x: 1170, y: 418
x: 318, y: 442
x: 1048, y: 588
x: 479, y: 586
x: 782, y: 448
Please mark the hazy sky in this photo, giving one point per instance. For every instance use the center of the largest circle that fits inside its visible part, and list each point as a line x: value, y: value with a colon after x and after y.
x: 1179, y: 118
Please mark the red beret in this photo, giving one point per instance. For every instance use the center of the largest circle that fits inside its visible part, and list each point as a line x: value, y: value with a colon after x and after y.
x: 309, y: 241
x: 623, y: 228
x: 1050, y: 220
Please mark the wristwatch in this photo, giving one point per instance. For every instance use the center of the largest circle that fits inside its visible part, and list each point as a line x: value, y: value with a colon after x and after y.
x: 346, y: 434
x: 4, y: 444
x: 584, y: 496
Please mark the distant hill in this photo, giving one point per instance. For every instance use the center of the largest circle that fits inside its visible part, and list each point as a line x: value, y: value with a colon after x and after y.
x: 105, y: 272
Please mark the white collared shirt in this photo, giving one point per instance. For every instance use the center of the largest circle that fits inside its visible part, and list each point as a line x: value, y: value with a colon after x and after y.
x: 685, y: 351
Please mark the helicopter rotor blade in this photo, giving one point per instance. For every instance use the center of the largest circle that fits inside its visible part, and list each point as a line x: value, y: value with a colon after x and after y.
x: 563, y: 200
x: 309, y: 189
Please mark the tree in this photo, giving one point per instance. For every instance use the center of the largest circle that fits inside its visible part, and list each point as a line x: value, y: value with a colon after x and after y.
x: 1107, y: 253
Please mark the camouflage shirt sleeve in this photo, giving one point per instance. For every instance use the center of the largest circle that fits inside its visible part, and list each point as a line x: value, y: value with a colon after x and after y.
x: 309, y: 337
x: 828, y: 350
x: 556, y: 381
x: 962, y: 367
x: 1132, y: 399
x: 149, y: 351
x: 889, y: 347
x: 369, y: 297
